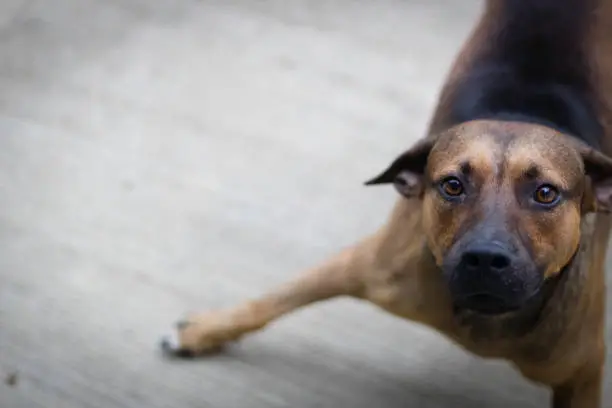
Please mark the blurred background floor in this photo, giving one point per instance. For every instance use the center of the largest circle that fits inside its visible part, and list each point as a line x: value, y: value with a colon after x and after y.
x: 159, y: 157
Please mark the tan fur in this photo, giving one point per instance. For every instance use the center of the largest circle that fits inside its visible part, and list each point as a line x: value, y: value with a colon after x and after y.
x: 396, y: 269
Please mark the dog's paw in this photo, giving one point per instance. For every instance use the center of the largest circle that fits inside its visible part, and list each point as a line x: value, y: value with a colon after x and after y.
x: 170, y: 345
x: 198, y: 335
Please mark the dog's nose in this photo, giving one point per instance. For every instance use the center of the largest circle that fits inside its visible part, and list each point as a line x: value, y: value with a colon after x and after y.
x: 486, y: 258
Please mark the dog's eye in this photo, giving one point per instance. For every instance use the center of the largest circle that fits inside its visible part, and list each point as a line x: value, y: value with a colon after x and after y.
x: 546, y: 194
x: 452, y: 187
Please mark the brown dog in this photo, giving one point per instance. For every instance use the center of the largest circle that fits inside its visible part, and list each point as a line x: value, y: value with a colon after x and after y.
x: 500, y: 236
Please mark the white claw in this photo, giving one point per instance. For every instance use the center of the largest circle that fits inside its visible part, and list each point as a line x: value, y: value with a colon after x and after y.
x: 171, y: 343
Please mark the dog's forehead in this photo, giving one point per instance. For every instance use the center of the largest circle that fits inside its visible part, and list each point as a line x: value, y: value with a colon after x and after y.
x: 518, y: 147
x: 542, y: 149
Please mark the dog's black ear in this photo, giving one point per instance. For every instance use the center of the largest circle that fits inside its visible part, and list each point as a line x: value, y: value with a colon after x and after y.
x: 598, y: 167
x: 407, y: 171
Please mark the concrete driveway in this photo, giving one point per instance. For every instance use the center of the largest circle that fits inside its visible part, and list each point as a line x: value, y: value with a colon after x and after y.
x: 159, y: 157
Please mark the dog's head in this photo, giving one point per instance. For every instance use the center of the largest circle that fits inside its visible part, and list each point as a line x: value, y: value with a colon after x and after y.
x: 502, y: 204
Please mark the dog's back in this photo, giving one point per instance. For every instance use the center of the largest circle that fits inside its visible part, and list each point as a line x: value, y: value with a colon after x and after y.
x: 545, y: 61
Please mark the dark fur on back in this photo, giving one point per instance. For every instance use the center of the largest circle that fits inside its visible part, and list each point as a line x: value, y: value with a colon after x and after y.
x: 534, y: 68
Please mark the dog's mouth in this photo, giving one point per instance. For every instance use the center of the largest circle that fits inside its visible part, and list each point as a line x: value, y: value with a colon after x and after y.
x: 485, y: 304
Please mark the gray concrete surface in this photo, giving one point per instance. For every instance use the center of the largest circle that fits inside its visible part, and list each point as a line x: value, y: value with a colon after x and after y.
x: 159, y: 157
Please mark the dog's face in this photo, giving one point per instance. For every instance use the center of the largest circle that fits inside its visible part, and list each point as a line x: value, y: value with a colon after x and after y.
x: 502, y: 205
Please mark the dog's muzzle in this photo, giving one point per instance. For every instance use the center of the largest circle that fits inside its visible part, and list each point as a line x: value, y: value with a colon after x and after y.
x: 489, y: 278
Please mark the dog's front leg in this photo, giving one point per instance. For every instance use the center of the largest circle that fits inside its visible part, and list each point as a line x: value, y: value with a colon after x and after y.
x: 341, y: 275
